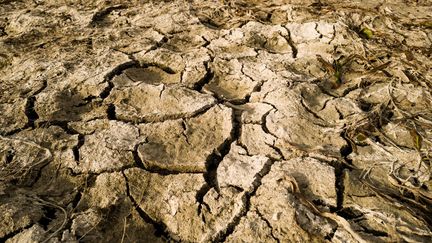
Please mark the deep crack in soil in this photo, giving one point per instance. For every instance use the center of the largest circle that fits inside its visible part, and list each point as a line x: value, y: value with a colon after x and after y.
x: 269, y: 121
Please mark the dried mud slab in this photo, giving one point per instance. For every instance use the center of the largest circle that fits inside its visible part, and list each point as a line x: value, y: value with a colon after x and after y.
x: 19, y: 212
x: 275, y: 202
x: 238, y: 169
x: 229, y: 82
x: 175, y: 195
x: 108, y: 147
x: 110, y: 194
x: 149, y: 75
x: 185, y: 145
x: 21, y: 160
x: 150, y: 103
x: 189, y: 66
x: 218, y: 121
x: 14, y: 118
x: 294, y: 126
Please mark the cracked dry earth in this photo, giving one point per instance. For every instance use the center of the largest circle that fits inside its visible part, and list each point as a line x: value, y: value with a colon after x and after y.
x: 215, y: 121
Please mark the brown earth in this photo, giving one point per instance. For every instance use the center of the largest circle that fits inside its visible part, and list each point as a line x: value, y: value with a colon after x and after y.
x: 215, y: 121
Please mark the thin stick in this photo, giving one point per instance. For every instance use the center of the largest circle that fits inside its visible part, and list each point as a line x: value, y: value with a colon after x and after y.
x: 124, y: 230
x: 43, y: 202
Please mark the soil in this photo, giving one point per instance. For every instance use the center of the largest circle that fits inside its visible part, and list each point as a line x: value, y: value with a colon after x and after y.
x: 215, y: 121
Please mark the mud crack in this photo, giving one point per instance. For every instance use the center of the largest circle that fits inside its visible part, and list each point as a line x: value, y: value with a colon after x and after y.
x: 214, y: 159
x: 340, y: 168
x: 116, y: 71
x: 14, y: 233
x: 160, y: 227
x: 30, y: 112
x: 100, y: 15
x: 291, y: 43
x: 268, y: 225
x: 266, y: 130
x: 222, y: 235
x: 206, y: 79
x: 111, y: 113
x: 76, y: 149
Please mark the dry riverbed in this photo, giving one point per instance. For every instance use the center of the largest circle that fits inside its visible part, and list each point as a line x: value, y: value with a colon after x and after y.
x: 215, y: 121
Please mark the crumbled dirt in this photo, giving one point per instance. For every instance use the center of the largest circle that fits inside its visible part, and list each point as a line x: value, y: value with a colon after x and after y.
x: 215, y: 121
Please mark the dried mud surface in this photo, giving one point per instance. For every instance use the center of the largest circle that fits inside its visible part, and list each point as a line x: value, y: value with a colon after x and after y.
x: 215, y: 121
